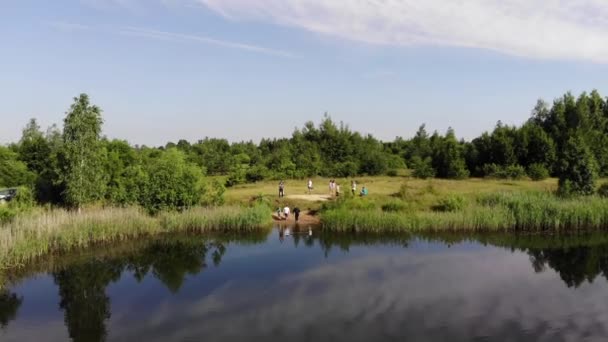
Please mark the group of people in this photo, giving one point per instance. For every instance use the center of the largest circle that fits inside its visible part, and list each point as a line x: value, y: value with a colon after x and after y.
x: 334, y: 188
x: 284, y: 213
x: 353, y: 188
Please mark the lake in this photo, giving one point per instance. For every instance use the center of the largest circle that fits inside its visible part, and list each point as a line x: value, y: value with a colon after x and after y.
x: 319, y: 287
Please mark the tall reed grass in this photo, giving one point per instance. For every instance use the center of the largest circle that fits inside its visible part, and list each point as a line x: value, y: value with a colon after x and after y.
x: 530, y: 212
x: 43, y: 232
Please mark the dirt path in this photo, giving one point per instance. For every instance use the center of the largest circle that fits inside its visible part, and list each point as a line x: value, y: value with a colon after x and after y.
x: 311, y: 198
x: 306, y: 218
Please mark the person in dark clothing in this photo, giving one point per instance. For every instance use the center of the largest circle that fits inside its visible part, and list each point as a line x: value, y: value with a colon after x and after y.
x: 296, y: 212
x: 281, y: 189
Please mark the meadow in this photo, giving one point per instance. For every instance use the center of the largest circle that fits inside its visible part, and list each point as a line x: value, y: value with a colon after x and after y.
x: 404, y: 204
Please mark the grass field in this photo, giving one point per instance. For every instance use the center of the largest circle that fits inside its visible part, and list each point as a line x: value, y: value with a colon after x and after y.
x: 404, y: 204
x: 424, y: 193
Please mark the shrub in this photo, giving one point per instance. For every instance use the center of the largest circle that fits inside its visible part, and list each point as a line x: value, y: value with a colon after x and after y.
x: 515, y: 172
x: 423, y: 169
x: 538, y: 172
x: 491, y: 170
x: 6, y: 215
x: 404, y: 191
x: 509, y: 172
x: 395, y: 206
x: 23, y: 200
x: 603, y: 190
x: 236, y: 176
x: 392, y: 173
x: 256, y: 173
x: 450, y: 203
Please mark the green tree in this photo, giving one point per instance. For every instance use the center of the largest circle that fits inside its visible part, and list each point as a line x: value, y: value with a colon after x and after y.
x: 82, y: 153
x: 172, y: 183
x: 13, y: 172
x: 577, y: 169
x: 448, y: 160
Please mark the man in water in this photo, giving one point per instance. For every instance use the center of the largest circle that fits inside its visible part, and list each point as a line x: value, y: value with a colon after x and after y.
x: 296, y: 212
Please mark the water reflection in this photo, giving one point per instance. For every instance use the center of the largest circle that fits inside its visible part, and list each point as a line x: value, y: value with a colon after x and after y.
x: 9, y: 305
x: 389, y: 286
x: 82, y: 286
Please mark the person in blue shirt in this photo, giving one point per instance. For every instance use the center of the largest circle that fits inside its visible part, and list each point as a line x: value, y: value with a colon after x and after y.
x: 363, y: 191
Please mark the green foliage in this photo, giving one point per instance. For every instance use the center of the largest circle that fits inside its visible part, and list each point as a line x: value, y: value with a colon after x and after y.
x: 422, y: 169
x: 6, y: 214
x: 256, y: 173
x: 23, y: 200
x: 395, y: 206
x: 538, y: 172
x: 450, y: 203
x: 508, y: 172
x: 82, y: 153
x: 602, y: 191
x: 577, y: 169
x: 213, y: 193
x: 392, y: 173
x: 12, y: 171
x: 172, y: 183
x: 448, y: 159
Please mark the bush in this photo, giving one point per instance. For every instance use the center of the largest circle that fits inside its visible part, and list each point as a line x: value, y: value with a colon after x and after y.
x: 450, y: 204
x: 404, y: 192
x: 538, y: 172
x: 422, y: 169
x: 491, y: 170
x: 499, y: 172
x: 6, y: 215
x: 23, y: 200
x: 256, y: 173
x: 515, y: 172
x: 395, y: 206
x: 172, y: 183
x: 392, y: 173
x: 236, y: 177
x: 603, y: 190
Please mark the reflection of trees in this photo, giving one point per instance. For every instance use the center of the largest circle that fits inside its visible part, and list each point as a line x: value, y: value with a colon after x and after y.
x: 82, y: 287
x: 574, y: 265
x: 83, y: 299
x: 9, y: 305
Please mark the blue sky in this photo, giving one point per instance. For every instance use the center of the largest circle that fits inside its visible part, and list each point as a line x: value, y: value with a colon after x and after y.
x: 244, y: 69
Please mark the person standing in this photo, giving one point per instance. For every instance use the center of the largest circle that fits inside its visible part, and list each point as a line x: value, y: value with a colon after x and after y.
x: 337, y: 190
x: 309, y: 186
x: 296, y: 213
x: 353, y: 187
x: 281, y: 189
x: 331, y: 187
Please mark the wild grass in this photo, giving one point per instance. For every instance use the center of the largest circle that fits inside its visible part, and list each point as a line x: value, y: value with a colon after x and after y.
x: 43, y: 232
x: 504, y: 211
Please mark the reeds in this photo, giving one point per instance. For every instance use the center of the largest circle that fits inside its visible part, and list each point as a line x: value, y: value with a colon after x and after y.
x: 525, y: 211
x: 43, y: 232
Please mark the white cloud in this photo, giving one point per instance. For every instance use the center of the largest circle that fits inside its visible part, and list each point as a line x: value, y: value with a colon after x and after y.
x: 170, y: 37
x: 179, y: 37
x: 544, y: 29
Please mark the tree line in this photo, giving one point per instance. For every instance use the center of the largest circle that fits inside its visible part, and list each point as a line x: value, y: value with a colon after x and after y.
x: 77, y: 165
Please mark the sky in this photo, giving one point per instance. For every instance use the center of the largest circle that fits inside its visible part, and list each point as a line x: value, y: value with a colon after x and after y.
x: 164, y: 70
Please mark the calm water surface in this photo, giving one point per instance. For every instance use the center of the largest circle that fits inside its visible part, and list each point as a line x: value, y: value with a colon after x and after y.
x: 317, y: 288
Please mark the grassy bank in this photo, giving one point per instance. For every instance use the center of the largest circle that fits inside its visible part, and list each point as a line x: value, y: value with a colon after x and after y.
x: 43, y: 232
x: 516, y: 211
